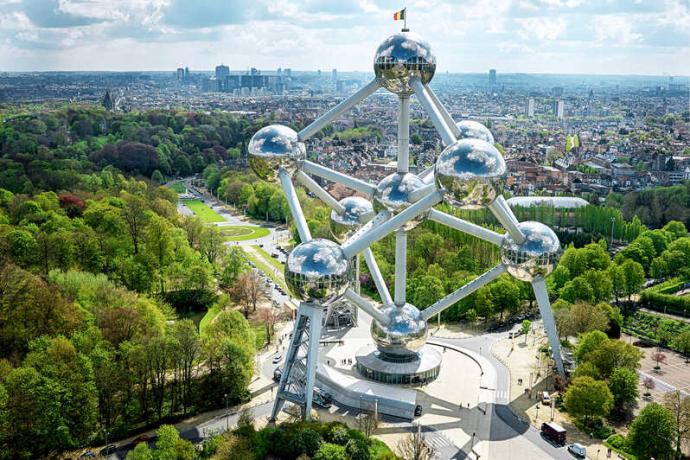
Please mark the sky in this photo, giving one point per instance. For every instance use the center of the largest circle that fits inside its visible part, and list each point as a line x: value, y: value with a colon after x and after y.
x: 649, y: 37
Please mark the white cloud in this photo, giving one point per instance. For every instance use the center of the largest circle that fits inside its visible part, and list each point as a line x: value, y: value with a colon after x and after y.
x: 542, y: 28
x: 616, y: 29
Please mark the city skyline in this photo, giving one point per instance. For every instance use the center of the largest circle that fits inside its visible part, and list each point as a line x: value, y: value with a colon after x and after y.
x: 548, y: 36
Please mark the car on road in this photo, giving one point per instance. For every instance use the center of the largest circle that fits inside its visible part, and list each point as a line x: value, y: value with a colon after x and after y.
x: 87, y: 454
x: 515, y: 334
x: 142, y: 438
x: 553, y: 432
x: 107, y: 450
x: 277, y: 374
x: 545, y: 398
x: 277, y: 358
x: 418, y: 410
x: 578, y: 450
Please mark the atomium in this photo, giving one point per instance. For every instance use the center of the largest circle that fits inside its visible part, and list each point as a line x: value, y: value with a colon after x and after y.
x: 357, y: 212
x: 393, y: 193
x: 536, y: 257
x: 470, y: 129
x: 318, y: 271
x: 470, y: 173
x: 402, y: 57
x: 404, y: 334
x: 274, y: 147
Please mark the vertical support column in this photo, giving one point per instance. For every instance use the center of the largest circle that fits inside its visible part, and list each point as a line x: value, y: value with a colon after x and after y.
x: 400, y: 267
x: 404, y: 135
x: 299, y: 372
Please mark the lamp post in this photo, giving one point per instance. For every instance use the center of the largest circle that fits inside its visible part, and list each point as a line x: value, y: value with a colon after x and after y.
x: 613, y: 222
x: 227, y: 415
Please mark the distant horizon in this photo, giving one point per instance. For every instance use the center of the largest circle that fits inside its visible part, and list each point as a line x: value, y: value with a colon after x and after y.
x: 615, y: 37
x: 371, y: 72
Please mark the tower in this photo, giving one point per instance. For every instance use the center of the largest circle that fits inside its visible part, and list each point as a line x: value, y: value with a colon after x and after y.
x: 492, y: 77
x: 558, y: 108
x: 529, y: 107
x: 469, y: 173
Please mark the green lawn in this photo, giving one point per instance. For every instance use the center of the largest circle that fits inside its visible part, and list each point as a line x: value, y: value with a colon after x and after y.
x: 178, y: 187
x: 260, y: 334
x: 208, y: 318
x: 242, y: 233
x: 275, y: 262
x: 267, y: 269
x: 206, y: 214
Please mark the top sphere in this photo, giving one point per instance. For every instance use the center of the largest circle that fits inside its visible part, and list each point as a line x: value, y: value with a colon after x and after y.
x: 318, y: 271
x: 401, y: 57
x: 274, y: 147
x: 470, y: 129
x: 469, y: 171
x: 536, y: 257
x: 358, y: 211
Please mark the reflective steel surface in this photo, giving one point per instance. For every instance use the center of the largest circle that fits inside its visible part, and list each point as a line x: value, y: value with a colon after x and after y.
x: 470, y: 173
x: 536, y: 257
x: 404, y: 334
x: 358, y: 211
x: 401, y: 57
x: 317, y: 271
x: 470, y: 129
x: 274, y: 147
x: 393, y: 194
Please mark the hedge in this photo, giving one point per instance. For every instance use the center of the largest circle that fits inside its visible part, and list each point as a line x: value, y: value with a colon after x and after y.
x: 665, y: 302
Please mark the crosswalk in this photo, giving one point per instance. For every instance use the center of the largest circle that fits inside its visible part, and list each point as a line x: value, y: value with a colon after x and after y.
x: 443, y: 447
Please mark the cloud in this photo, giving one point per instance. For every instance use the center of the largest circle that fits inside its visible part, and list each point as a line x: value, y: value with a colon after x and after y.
x: 54, y: 14
x: 211, y: 13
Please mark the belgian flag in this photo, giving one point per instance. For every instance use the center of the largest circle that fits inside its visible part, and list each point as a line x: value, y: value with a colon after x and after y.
x: 399, y: 15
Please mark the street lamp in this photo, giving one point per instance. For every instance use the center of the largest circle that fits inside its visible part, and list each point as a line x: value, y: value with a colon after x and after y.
x: 613, y: 222
x: 227, y: 415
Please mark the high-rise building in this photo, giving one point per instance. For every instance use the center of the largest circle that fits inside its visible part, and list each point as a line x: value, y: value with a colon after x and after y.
x: 186, y: 73
x: 222, y: 71
x: 557, y: 91
x: 492, y: 76
x: 558, y: 108
x: 288, y: 73
x: 334, y: 75
x: 529, y: 108
x: 180, y: 74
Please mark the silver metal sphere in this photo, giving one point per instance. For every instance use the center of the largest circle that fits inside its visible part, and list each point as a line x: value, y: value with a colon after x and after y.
x: 274, y: 147
x: 474, y: 130
x: 536, y: 257
x: 470, y: 173
x: 404, y: 334
x: 401, y: 57
x: 393, y: 194
x: 318, y: 271
x: 358, y: 211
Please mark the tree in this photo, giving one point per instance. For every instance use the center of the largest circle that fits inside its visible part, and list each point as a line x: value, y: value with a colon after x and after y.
x: 634, y: 277
x: 328, y: 451
x: 623, y: 385
x: 649, y: 385
x: 679, y: 406
x: 581, y: 317
x: 659, y: 358
x: 577, y: 289
x: 169, y: 445
x: 505, y: 295
x: 250, y: 290
x: 140, y: 452
x: 614, y: 354
x: 587, y: 398
x: 158, y: 238
x: 234, y: 264
x: 618, y: 284
x: 414, y: 447
x: 683, y: 344
x: 188, y: 347
x: 211, y: 244
x: 269, y: 318
x: 588, y: 342
x: 652, y: 432
x: 526, y: 325
x: 134, y: 213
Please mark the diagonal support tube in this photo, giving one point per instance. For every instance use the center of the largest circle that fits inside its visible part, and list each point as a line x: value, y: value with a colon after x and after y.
x: 295, y: 207
x: 317, y: 190
x: 466, y: 227
x: 376, y: 233
x: 463, y: 292
x: 418, y: 194
x: 378, y: 277
x: 344, y: 105
x: 436, y: 118
x: 444, y: 113
x: 499, y: 207
x: 427, y: 175
x: 542, y: 296
x: 338, y: 177
x: 366, y: 306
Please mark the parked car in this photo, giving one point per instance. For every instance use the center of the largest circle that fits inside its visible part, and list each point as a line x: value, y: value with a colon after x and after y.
x: 578, y: 450
x: 277, y: 358
x: 109, y: 449
x: 277, y: 374
x: 515, y: 334
x: 545, y: 398
x: 142, y: 438
x: 554, y: 432
x: 418, y: 410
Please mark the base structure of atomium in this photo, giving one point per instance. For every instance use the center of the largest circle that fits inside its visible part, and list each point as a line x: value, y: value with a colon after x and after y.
x: 468, y: 174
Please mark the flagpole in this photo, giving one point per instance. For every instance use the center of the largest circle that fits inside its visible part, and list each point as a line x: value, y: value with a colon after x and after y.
x: 405, y: 29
